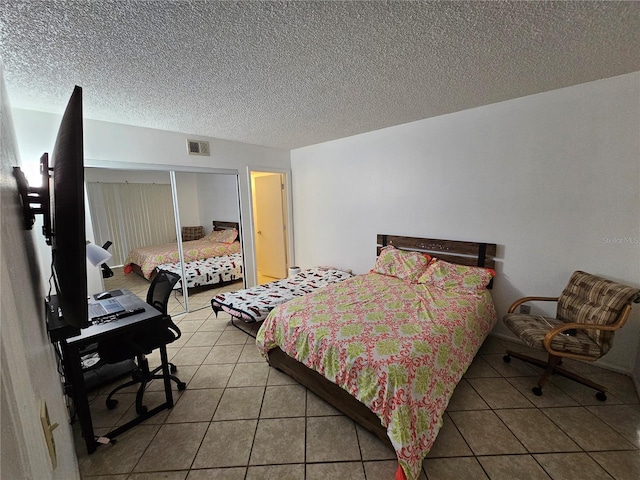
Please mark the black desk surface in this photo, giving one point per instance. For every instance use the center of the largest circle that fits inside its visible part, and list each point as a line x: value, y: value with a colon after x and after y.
x: 61, y: 331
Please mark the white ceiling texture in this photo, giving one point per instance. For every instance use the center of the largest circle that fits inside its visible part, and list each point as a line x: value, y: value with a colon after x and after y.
x: 292, y: 73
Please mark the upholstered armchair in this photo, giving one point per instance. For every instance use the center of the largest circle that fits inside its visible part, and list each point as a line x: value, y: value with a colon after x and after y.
x: 589, y: 311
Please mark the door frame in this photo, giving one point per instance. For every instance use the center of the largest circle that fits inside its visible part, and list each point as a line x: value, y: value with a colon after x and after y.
x: 288, y: 206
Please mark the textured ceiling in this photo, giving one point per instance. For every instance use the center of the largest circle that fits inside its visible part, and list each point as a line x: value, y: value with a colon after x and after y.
x: 290, y: 74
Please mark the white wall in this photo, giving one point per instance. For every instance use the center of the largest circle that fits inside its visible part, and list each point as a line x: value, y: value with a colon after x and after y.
x: 218, y: 199
x: 553, y: 179
x: 117, y: 145
x: 28, y: 361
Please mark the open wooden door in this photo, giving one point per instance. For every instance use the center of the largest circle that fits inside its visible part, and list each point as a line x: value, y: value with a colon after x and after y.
x: 269, y: 218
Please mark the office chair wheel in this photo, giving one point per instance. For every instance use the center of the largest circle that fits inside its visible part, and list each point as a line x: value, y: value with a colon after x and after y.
x: 182, y: 386
x: 601, y: 396
x: 537, y: 391
x: 111, y: 403
x: 142, y: 410
x: 173, y: 368
x: 506, y: 358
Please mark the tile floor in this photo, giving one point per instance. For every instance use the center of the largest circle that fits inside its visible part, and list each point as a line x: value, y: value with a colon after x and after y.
x: 241, y: 419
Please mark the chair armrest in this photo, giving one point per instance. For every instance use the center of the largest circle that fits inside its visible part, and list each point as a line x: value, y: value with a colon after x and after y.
x: 522, y: 300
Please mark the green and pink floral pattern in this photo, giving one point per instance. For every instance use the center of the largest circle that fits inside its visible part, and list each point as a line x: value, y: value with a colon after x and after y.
x: 149, y: 257
x: 399, y: 348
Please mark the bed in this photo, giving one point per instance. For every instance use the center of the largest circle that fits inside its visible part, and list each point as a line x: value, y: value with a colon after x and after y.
x: 387, y: 348
x: 254, y: 304
x: 207, y: 272
x: 145, y: 260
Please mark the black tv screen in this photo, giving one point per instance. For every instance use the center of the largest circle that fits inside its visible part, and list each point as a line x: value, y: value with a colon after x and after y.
x: 69, y: 236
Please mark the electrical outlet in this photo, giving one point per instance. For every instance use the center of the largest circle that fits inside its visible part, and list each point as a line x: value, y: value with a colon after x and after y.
x: 525, y: 309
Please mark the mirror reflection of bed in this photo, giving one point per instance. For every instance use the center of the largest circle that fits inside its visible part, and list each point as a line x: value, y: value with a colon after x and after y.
x: 134, y: 209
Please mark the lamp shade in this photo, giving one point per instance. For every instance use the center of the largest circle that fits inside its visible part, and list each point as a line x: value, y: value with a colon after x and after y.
x: 97, y: 255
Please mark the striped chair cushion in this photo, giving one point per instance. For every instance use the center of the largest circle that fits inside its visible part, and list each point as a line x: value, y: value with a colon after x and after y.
x: 532, y: 328
x: 591, y: 299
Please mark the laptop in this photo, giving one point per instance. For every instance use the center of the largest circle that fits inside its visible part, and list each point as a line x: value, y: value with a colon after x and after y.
x: 101, y: 308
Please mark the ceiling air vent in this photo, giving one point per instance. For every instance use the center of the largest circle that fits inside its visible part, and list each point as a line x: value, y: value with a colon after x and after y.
x: 198, y: 147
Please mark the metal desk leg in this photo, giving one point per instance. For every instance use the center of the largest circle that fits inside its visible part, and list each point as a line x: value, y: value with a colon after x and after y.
x: 74, y: 375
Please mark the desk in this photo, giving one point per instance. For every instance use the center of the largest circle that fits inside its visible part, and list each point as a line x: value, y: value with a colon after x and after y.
x: 72, y: 366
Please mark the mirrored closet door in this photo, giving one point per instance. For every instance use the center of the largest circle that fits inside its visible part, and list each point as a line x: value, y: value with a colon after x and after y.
x: 132, y: 214
x: 184, y: 222
x: 208, y: 215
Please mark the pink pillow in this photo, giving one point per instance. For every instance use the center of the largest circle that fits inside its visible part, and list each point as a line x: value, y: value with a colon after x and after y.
x: 401, y: 263
x: 223, y: 236
x: 450, y: 276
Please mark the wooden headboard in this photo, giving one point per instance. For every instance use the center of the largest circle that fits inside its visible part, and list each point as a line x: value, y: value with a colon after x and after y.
x: 463, y: 253
x: 225, y: 225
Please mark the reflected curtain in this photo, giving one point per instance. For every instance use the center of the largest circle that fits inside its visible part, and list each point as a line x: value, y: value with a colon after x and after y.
x: 131, y: 215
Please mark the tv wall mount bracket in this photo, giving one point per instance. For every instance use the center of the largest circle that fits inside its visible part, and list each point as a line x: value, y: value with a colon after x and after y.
x: 36, y: 200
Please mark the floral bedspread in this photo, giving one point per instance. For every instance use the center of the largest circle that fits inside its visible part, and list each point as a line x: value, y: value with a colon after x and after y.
x: 209, y: 271
x: 399, y: 348
x: 254, y: 304
x: 149, y: 257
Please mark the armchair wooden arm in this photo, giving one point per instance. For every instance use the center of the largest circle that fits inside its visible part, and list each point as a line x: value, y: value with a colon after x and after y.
x: 548, y: 338
x: 522, y: 300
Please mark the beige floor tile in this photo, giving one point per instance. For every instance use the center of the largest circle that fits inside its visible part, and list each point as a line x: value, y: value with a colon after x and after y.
x: 178, y: 475
x: 480, y: 368
x: 371, y: 447
x: 249, y: 375
x: 195, y: 406
x: 190, y: 356
x: 514, y: 368
x: 485, y: 433
x: 119, y: 457
x: 622, y: 418
x: 491, y: 345
x: 323, y: 471
x: 213, y: 324
x: 250, y: 353
x: 581, y: 393
x: 279, y: 440
x: 276, y: 377
x: 620, y: 465
x: 331, y: 439
x: 535, y: 431
x: 232, y: 337
x: 453, y: 469
x: 384, y: 470
x: 235, y: 473
x: 276, y: 472
x: 284, y: 401
x: 316, y: 407
x: 187, y: 325
x: 466, y: 398
x: 563, y: 466
x: 187, y: 435
x: 239, y: 403
x: 203, y: 339
x: 513, y: 467
x: 551, y: 396
x: 211, y: 376
x: 499, y: 393
x: 226, y: 444
x: 185, y: 373
x: 618, y: 384
x: 449, y: 442
x: 224, y: 354
x: 587, y: 430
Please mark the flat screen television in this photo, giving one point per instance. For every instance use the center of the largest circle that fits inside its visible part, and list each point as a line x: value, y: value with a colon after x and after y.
x: 68, y: 216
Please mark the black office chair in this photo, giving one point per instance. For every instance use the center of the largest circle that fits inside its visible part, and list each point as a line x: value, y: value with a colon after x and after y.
x: 143, y: 343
